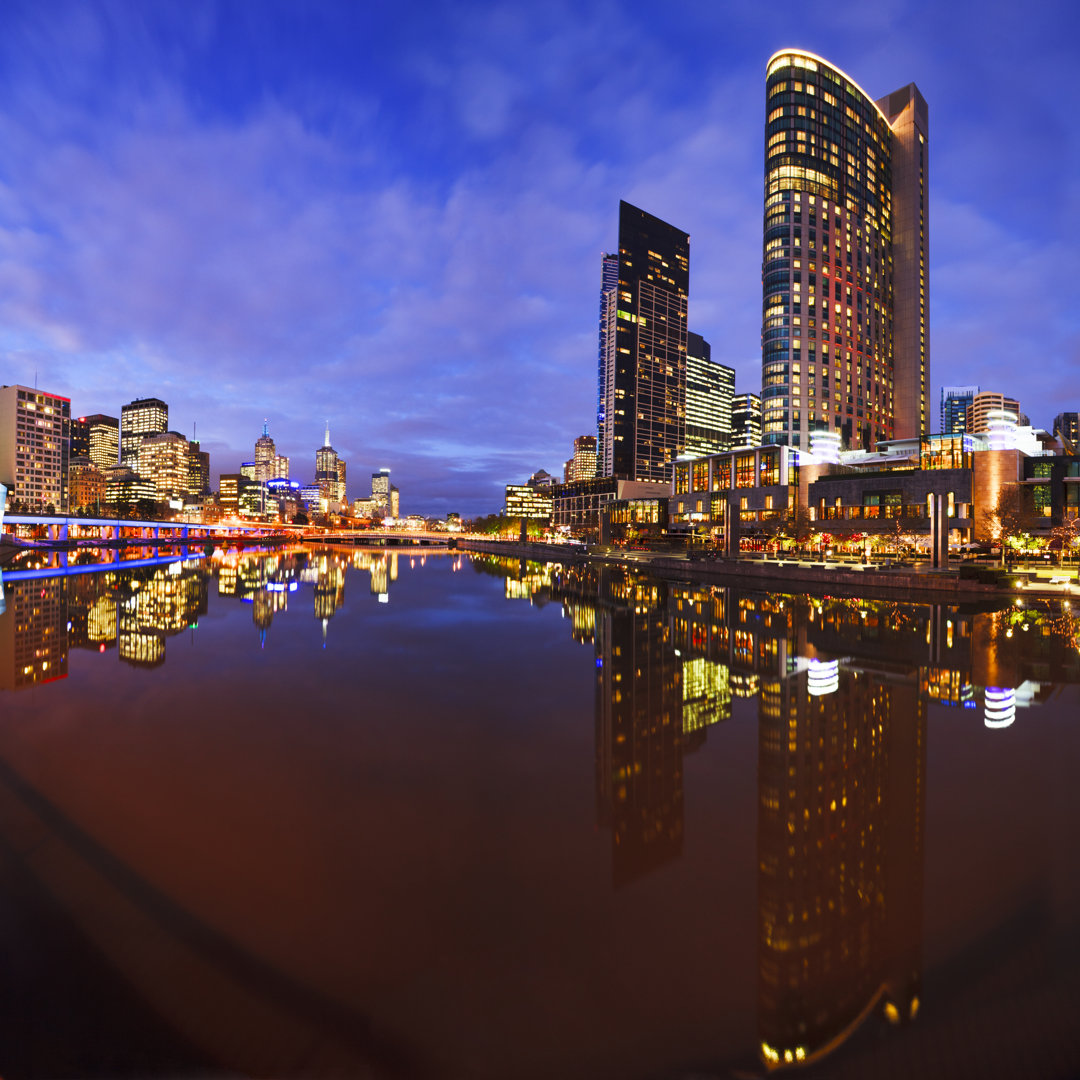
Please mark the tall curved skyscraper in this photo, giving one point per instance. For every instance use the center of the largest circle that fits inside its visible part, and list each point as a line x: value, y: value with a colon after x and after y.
x: 844, y: 331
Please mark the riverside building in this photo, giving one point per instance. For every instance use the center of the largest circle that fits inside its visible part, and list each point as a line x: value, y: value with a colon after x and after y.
x: 709, y: 390
x: 845, y: 343
x: 35, y: 443
x: 643, y: 356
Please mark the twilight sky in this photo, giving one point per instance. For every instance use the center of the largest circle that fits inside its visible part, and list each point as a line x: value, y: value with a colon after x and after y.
x: 391, y: 215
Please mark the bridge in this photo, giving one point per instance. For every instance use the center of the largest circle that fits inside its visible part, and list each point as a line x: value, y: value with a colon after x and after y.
x: 63, y: 528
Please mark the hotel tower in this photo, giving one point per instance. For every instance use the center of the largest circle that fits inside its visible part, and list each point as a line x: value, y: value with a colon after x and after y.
x: 845, y: 259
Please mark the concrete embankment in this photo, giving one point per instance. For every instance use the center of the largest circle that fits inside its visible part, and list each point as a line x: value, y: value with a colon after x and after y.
x: 780, y: 574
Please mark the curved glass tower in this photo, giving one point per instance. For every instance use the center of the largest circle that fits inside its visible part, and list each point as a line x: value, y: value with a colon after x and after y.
x: 845, y: 258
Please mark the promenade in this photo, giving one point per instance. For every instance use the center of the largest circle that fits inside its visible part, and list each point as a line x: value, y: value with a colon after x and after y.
x: 790, y: 571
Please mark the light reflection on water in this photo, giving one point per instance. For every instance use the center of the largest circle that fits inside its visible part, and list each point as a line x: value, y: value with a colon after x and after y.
x: 427, y: 815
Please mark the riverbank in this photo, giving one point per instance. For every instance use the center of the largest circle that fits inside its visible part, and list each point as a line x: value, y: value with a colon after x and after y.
x: 791, y: 572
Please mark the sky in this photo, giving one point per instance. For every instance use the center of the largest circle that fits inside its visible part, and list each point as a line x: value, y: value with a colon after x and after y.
x: 390, y: 217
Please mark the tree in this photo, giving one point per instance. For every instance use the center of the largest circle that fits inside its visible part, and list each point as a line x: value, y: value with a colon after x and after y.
x: 1066, y: 536
x: 1007, y: 520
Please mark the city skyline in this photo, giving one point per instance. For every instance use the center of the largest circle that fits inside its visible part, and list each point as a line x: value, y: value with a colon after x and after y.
x: 324, y: 215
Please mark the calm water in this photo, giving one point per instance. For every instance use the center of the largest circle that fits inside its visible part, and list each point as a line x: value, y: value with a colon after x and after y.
x: 323, y: 814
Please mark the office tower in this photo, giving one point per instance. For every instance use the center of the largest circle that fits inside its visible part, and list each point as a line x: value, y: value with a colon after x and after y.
x: 265, y: 453
x: 985, y: 404
x: 104, y: 439
x: 165, y: 460
x: 609, y: 281
x: 954, y: 404
x: 583, y: 463
x: 709, y: 390
x: 329, y: 471
x: 35, y: 443
x: 138, y: 419
x: 1067, y: 424
x: 844, y: 329
x: 745, y: 420
x: 198, y: 470
x: 645, y: 376
x: 80, y: 438
x: 86, y: 486
x: 380, y: 488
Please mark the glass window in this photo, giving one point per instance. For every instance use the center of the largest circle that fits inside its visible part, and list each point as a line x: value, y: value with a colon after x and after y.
x: 744, y: 471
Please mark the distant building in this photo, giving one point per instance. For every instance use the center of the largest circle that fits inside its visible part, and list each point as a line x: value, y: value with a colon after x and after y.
x: 1067, y: 424
x: 380, y: 489
x: 165, y: 461
x: 984, y: 405
x: 528, y: 501
x: 954, y: 406
x: 86, y: 486
x: 125, y: 487
x: 583, y: 463
x: 643, y: 362
x: 35, y: 445
x: 139, y: 419
x: 80, y: 439
x: 329, y: 472
x: 198, y: 470
x: 745, y: 420
x: 709, y: 391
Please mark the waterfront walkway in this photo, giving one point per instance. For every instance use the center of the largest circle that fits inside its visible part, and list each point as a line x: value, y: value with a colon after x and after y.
x: 774, y: 572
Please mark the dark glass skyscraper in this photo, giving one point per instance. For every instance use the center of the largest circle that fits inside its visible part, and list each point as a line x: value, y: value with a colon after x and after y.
x: 845, y: 258
x: 643, y: 350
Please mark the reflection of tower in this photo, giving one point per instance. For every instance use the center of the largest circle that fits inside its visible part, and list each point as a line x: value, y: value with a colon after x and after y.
x: 33, y: 633
x: 639, y: 739
x: 841, y: 770
x: 380, y: 583
x: 329, y: 590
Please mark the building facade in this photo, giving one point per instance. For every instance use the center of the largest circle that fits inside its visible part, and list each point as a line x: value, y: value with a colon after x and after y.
x: 986, y: 406
x: 845, y: 343
x: 609, y: 281
x: 954, y: 406
x: 709, y: 391
x: 1067, y: 425
x: 745, y: 420
x: 644, y: 359
x: 165, y: 461
x: 583, y: 463
x: 138, y: 420
x: 35, y: 446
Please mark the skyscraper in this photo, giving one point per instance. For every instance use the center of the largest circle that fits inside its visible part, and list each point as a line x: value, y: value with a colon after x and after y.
x: 609, y: 280
x: 329, y: 471
x: 35, y: 442
x: 986, y: 406
x: 138, y: 419
x: 709, y: 390
x: 1068, y: 424
x: 954, y: 404
x: 745, y: 420
x: 643, y: 365
x: 583, y: 463
x: 844, y: 331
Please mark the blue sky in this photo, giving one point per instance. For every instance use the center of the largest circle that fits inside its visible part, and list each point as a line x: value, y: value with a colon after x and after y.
x: 390, y: 215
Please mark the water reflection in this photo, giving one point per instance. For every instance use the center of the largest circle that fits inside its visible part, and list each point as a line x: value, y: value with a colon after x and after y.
x: 135, y: 604
x: 843, y: 688
x: 839, y: 693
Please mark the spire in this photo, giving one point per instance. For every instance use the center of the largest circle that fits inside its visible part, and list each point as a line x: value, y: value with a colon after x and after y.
x: 266, y: 429
x: 327, y: 443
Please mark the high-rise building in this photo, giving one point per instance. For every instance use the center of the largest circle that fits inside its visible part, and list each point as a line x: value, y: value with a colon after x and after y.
x: 609, y: 281
x: 138, y: 419
x: 745, y: 421
x: 1068, y: 425
x: 845, y: 343
x: 380, y: 489
x: 954, y: 405
x: 198, y: 470
x: 985, y: 404
x: 709, y: 390
x: 35, y: 443
x: 80, y: 438
x: 583, y: 463
x: 329, y: 471
x: 165, y: 460
x: 644, y: 428
x: 265, y: 453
